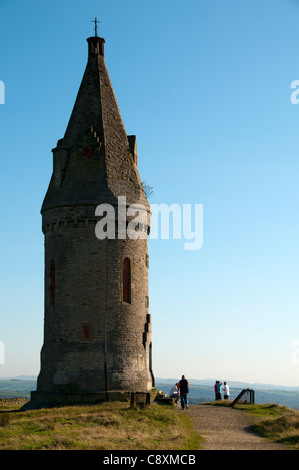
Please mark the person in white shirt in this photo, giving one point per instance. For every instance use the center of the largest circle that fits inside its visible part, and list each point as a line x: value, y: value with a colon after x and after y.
x: 174, y: 393
x: 226, y: 391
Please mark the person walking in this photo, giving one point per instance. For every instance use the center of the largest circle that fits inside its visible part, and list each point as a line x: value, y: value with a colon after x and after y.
x: 183, y: 387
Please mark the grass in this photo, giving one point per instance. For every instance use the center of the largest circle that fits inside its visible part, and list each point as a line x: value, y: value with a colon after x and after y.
x: 108, y: 426
x: 116, y: 426
x: 275, y: 422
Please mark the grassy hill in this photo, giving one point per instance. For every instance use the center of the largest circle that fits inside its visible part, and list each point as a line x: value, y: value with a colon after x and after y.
x: 117, y: 426
x: 105, y: 426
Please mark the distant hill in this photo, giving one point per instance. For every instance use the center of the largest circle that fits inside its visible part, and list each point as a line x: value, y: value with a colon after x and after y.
x: 200, y: 390
x: 16, y: 388
x: 254, y: 386
x: 20, y: 377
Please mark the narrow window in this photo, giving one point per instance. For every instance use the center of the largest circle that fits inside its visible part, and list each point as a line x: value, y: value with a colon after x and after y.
x: 52, y: 282
x: 86, y: 332
x: 127, y: 281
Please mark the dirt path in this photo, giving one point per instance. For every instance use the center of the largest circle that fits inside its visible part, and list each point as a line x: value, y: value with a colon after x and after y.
x: 227, y: 429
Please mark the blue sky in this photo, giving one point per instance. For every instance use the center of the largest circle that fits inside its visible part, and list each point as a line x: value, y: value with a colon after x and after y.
x: 205, y: 86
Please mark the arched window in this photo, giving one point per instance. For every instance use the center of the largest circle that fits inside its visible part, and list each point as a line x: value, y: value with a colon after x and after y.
x: 52, y: 282
x: 127, y: 281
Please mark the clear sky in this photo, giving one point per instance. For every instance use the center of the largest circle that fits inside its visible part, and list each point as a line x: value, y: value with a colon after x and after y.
x: 205, y: 86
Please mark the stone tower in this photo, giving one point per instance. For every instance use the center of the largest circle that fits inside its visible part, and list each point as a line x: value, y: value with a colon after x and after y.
x: 97, y: 328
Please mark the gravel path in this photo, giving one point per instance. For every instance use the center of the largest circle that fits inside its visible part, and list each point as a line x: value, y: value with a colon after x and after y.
x: 227, y: 429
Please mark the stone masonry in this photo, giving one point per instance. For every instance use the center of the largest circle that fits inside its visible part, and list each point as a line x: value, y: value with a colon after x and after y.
x: 96, y: 344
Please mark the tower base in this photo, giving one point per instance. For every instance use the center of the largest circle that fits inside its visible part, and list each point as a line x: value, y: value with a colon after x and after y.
x: 56, y: 399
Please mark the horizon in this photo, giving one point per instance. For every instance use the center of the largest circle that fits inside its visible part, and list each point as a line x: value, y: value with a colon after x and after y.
x: 159, y: 379
x: 208, y: 89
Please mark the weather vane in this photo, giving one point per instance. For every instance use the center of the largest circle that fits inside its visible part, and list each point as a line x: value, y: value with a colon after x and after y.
x: 95, y: 21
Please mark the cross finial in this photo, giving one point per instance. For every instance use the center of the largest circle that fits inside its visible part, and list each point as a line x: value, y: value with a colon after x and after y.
x: 95, y: 21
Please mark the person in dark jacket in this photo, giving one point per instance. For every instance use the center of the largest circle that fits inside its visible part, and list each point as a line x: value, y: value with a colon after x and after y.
x: 183, y: 387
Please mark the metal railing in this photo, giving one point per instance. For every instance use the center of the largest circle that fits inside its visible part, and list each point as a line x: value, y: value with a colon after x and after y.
x: 246, y: 396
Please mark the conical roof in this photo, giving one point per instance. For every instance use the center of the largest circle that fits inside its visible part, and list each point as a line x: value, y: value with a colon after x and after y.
x: 96, y: 105
x: 94, y: 162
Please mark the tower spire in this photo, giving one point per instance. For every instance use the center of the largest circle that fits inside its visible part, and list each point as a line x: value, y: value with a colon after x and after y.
x: 95, y: 21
